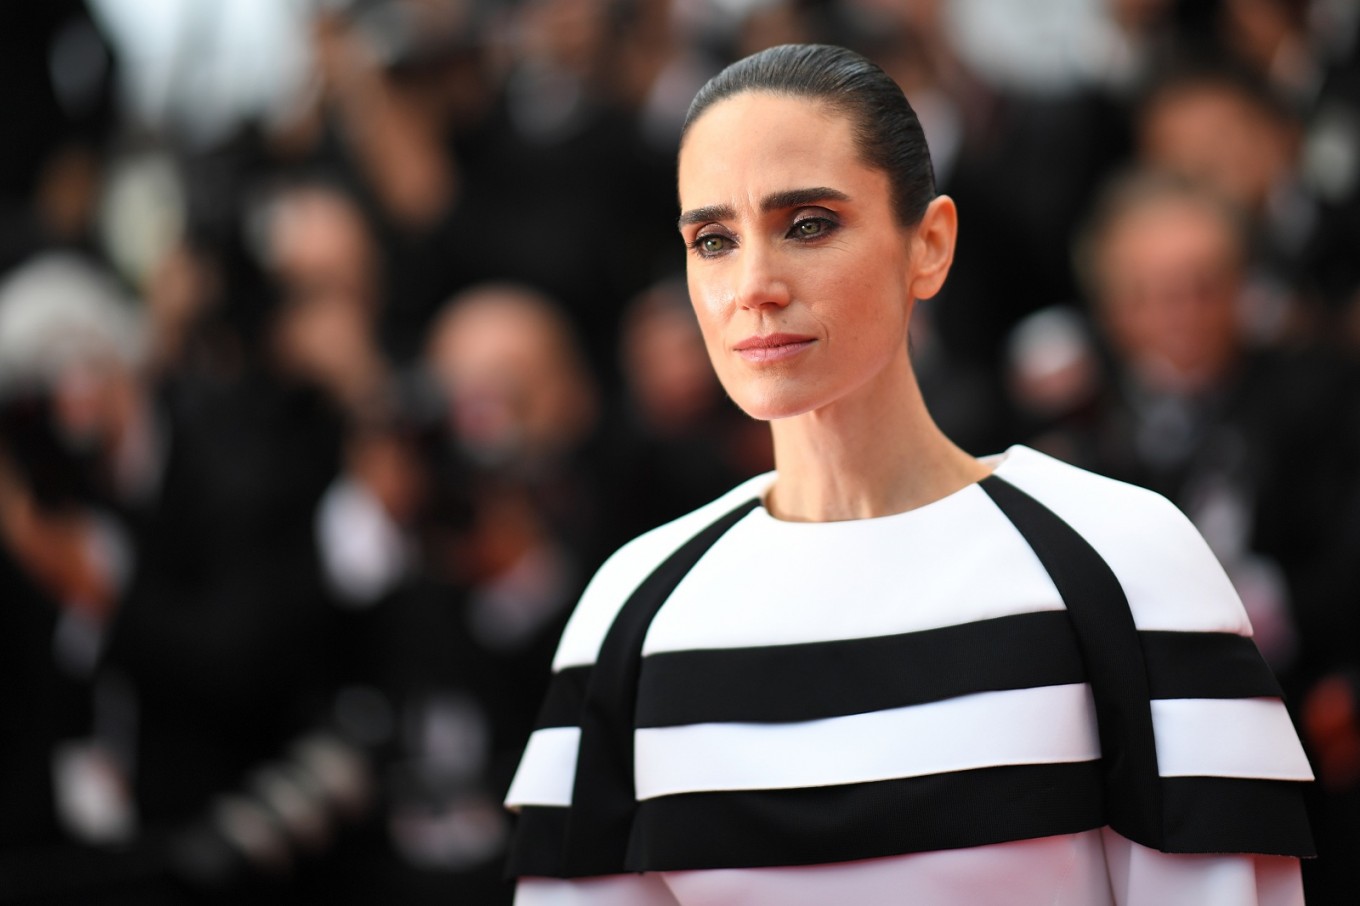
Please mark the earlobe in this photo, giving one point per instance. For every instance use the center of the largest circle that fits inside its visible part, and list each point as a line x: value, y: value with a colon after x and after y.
x: 933, y: 247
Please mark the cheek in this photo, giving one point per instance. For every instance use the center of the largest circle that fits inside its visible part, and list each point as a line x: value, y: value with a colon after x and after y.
x: 709, y: 316
x: 870, y: 317
x: 710, y: 308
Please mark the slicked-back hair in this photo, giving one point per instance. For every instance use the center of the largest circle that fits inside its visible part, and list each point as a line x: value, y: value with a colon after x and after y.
x: 887, y: 133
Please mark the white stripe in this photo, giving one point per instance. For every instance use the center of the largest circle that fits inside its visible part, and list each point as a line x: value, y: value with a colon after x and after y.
x: 547, y: 771
x: 1024, y: 726
x: 1233, y: 737
x: 1062, y: 870
x: 623, y: 572
x: 779, y: 583
x: 1171, y: 579
x: 604, y: 890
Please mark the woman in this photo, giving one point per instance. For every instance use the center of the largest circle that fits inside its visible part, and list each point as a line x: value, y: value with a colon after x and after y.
x: 889, y: 672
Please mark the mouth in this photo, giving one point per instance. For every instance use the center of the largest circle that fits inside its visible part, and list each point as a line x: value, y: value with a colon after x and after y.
x: 774, y: 347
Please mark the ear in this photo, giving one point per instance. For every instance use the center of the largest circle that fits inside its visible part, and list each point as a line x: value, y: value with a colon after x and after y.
x: 932, y: 247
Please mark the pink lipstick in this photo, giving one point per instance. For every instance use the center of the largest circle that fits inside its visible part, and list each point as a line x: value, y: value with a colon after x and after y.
x: 774, y: 347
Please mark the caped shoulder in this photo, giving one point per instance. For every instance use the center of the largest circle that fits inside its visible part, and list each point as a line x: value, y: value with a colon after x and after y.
x: 1172, y: 579
x: 631, y: 564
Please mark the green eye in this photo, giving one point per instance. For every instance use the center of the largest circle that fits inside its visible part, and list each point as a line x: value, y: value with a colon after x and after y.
x: 806, y: 229
x: 712, y: 244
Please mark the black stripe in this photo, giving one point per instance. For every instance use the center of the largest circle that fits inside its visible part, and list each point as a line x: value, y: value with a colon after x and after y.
x: 536, y: 847
x: 787, y: 683
x: 867, y: 820
x: 1206, y: 665
x: 1226, y: 814
x: 565, y: 695
x: 1114, y: 660
x: 1012, y: 652
x: 991, y: 805
x: 603, y: 796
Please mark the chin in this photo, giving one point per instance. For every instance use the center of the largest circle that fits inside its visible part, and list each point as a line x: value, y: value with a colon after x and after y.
x: 772, y: 406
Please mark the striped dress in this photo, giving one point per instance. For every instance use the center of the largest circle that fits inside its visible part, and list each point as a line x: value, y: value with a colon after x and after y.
x: 1038, y: 689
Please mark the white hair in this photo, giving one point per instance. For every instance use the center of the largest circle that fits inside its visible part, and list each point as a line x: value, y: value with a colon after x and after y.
x: 58, y: 311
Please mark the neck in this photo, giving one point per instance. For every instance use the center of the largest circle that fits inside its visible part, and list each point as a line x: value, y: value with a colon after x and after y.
x: 874, y: 453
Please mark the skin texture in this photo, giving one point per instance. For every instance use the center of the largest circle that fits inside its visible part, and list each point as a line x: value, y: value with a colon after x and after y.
x: 790, y: 233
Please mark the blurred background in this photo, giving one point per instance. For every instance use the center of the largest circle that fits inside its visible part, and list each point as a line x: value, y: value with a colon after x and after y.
x: 340, y: 340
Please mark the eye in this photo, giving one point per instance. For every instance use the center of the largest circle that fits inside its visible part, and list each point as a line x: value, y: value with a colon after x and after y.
x: 711, y: 244
x: 811, y: 228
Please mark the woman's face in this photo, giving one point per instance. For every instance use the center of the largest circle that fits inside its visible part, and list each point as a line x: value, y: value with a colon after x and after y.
x: 800, y: 274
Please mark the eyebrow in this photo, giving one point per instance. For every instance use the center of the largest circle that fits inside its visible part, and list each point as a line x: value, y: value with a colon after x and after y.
x: 789, y: 198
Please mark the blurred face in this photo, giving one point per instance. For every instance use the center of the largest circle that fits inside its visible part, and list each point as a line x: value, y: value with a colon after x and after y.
x: 321, y: 248
x: 798, y: 270
x: 667, y: 369
x: 1215, y: 137
x: 511, y: 388
x: 1169, y: 276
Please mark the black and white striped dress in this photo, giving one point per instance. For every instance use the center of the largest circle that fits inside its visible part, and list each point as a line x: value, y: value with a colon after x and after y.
x: 914, y: 708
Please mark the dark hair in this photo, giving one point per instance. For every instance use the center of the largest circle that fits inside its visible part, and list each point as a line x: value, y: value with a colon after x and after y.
x: 887, y: 132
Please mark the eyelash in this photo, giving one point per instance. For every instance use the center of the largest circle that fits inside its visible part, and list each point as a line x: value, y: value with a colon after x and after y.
x: 826, y: 223
x: 827, y: 226
x: 697, y: 246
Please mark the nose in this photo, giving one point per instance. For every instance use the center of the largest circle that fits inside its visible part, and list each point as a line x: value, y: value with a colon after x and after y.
x: 760, y: 282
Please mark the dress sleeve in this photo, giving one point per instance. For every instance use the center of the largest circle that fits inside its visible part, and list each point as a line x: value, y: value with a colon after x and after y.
x: 1140, y: 876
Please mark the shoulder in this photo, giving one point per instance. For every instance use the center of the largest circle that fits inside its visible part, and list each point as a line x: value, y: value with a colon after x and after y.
x: 631, y: 564
x: 1171, y: 578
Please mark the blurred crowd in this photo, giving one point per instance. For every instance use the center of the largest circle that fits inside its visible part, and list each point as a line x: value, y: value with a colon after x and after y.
x: 321, y: 400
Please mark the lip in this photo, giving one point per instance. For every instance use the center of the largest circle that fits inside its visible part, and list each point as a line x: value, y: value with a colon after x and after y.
x: 773, y: 347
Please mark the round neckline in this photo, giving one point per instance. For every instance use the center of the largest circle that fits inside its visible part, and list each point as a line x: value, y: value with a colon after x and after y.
x: 998, y: 462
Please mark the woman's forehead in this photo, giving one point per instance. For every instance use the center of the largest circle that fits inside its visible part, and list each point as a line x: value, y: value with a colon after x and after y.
x: 753, y: 144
